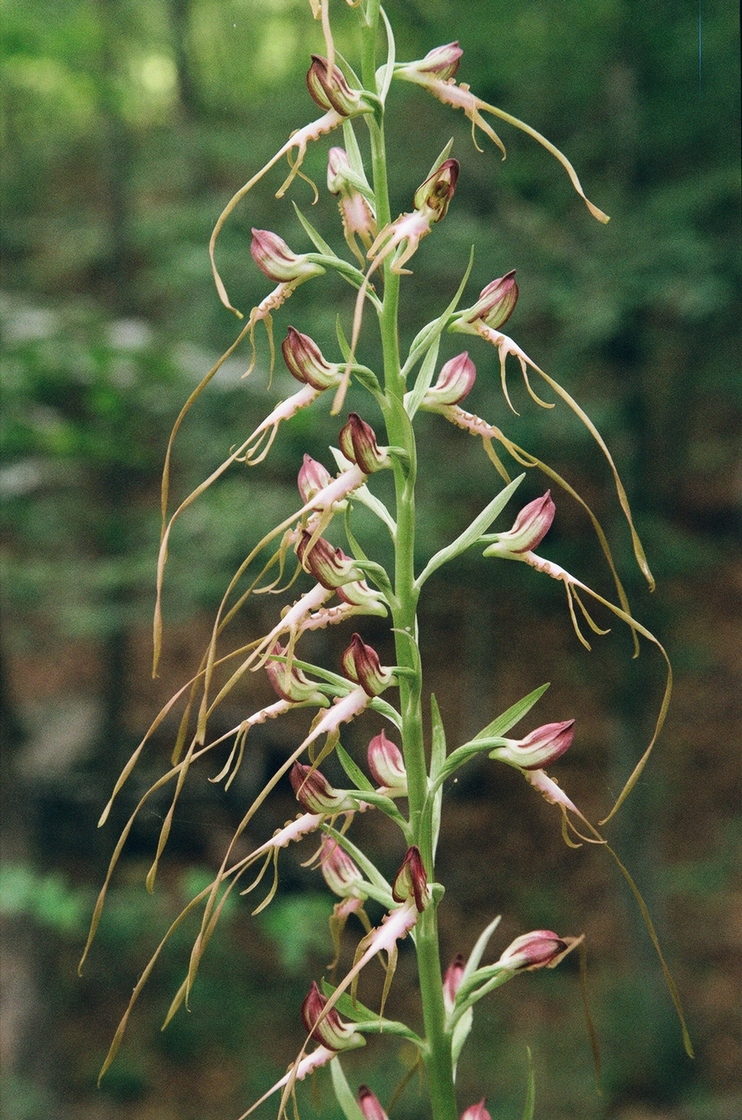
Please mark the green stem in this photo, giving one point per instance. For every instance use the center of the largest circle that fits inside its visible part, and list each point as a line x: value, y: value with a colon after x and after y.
x: 437, y: 1056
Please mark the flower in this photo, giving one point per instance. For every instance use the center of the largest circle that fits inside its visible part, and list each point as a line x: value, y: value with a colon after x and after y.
x: 290, y: 683
x: 328, y: 88
x: 495, y: 305
x: 360, y: 664
x: 358, y: 443
x: 274, y: 258
x: 339, y: 871
x: 435, y: 194
x: 411, y: 880
x: 305, y: 362
x: 455, y: 381
x: 539, y: 949
x: 315, y: 794
x: 529, y: 529
x: 441, y: 63
x: 355, y: 207
x: 387, y: 766
x: 328, y: 1028
x: 538, y: 749
x: 313, y: 477
x: 329, y: 565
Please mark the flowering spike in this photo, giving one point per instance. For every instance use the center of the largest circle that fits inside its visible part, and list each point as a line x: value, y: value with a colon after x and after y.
x: 326, y: 1027
x: 411, y: 880
x: 387, y: 766
x: 306, y: 363
x: 370, y: 1105
x: 358, y: 443
x: 360, y: 664
x: 538, y: 749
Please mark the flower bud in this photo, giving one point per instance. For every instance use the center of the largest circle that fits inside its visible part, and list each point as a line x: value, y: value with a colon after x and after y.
x: 441, y: 63
x: 315, y: 794
x: 358, y: 443
x: 305, y: 362
x: 438, y: 189
x: 542, y: 747
x: 339, y: 871
x: 495, y: 304
x: 312, y: 478
x: 539, y: 949
x: 455, y: 381
x: 387, y: 766
x: 360, y: 664
x: 411, y: 880
x: 452, y: 981
x: 476, y: 1112
x: 329, y: 89
x: 331, y: 1031
x: 370, y: 1105
x: 329, y: 565
x: 290, y: 683
x: 529, y: 528
x: 274, y: 258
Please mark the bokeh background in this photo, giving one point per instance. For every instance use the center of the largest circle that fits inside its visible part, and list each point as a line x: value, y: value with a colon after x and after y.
x: 127, y: 124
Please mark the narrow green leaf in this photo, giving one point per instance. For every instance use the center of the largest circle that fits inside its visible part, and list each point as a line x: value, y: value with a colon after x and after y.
x: 530, y: 1101
x: 343, y: 1094
x: 426, y: 337
x: 353, y: 771
x: 316, y: 238
x: 513, y: 715
x: 413, y: 400
x: 472, y: 534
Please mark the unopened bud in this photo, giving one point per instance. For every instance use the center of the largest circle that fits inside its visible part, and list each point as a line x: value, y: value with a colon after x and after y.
x: 452, y: 981
x: 411, y: 880
x: 360, y: 664
x: 542, y: 747
x: 274, y: 258
x: 358, y: 443
x: 455, y: 381
x: 312, y: 478
x: 529, y: 528
x: 305, y: 362
x: 329, y: 565
x: 436, y: 192
x: 370, y: 1105
x: 387, y: 766
x: 330, y: 1031
x: 539, y: 949
x: 329, y: 89
x: 476, y: 1112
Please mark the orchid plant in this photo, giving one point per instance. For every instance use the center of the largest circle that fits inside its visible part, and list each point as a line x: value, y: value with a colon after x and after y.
x: 319, y: 584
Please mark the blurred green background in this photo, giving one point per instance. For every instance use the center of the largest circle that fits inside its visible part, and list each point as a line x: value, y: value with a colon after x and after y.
x: 127, y: 125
